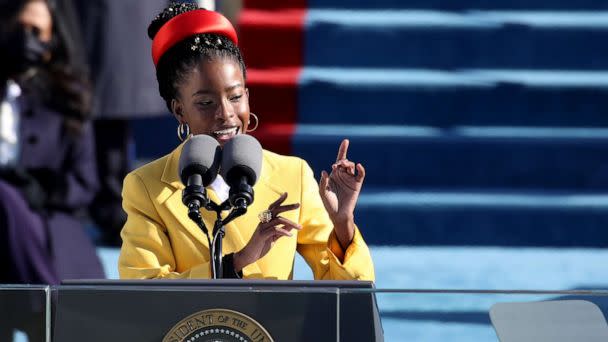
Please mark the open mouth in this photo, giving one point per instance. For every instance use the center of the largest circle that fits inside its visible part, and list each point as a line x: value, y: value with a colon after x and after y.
x: 226, y: 133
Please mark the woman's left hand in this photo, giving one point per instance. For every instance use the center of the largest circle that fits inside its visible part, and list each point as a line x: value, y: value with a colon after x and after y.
x: 339, y: 192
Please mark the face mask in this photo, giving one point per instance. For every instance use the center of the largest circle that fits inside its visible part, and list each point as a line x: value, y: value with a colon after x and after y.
x: 23, y: 50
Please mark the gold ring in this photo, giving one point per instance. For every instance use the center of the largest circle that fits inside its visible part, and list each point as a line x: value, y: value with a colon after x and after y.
x: 265, y: 216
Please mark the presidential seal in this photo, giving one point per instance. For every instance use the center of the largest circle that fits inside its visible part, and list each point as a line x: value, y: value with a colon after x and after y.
x: 218, y: 325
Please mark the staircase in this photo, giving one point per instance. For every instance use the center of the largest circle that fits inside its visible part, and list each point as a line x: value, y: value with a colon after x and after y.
x: 479, y: 123
x: 483, y: 129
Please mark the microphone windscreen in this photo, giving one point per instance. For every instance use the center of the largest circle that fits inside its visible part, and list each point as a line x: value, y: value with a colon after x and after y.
x: 201, y: 155
x: 241, y: 156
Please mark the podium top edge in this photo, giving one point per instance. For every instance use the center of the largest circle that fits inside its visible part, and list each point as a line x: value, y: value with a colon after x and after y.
x: 220, y: 283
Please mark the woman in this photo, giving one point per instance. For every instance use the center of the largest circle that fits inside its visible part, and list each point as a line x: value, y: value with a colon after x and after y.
x: 201, y: 77
x: 47, y: 164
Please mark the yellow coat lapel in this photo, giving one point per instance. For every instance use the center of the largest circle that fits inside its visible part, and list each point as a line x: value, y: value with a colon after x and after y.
x: 239, y: 231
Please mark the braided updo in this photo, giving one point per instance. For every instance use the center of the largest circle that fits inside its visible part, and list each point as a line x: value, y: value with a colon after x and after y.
x: 175, y: 64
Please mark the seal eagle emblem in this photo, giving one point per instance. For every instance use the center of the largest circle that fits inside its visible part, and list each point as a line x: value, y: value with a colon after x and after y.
x: 218, y: 325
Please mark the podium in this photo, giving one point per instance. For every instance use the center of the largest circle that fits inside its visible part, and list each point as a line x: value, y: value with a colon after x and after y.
x: 216, y: 310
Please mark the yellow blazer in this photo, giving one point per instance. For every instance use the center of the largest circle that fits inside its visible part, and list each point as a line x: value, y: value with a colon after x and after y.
x: 160, y: 241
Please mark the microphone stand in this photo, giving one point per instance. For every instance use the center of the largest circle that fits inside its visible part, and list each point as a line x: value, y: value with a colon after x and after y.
x: 219, y: 230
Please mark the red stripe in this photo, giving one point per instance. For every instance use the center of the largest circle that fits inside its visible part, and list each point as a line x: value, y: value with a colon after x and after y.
x: 274, y: 76
x: 272, y: 39
x: 272, y: 43
x: 273, y: 97
x: 274, y: 4
x: 276, y: 137
x: 273, y: 94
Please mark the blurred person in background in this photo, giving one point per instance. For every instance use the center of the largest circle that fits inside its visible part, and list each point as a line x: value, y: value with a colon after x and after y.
x: 47, y: 163
x: 124, y: 87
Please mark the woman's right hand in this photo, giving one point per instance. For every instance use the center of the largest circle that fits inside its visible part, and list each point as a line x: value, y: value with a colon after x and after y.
x: 266, y: 234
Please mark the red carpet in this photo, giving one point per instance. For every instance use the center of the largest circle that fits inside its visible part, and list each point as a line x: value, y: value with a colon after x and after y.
x: 272, y: 41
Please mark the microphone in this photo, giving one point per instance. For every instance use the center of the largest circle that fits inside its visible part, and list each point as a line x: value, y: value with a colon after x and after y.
x: 198, y: 167
x: 241, y: 166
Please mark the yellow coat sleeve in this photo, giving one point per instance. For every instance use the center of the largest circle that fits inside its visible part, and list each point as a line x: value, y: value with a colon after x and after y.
x: 318, y: 244
x: 146, y: 251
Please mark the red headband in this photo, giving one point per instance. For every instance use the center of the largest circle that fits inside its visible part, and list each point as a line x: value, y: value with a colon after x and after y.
x: 188, y: 24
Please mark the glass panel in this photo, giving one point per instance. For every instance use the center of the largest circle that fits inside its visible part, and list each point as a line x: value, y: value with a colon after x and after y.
x: 442, y: 315
x: 298, y: 311
x: 24, y: 313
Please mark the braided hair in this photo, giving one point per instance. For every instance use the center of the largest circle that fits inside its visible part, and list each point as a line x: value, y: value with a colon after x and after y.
x: 174, y: 65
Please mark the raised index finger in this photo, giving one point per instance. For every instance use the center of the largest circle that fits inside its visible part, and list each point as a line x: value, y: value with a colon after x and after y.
x: 342, y: 151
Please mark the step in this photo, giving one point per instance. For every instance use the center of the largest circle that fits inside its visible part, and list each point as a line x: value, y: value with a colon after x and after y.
x: 460, y: 267
x: 464, y: 157
x: 423, y: 4
x: 273, y: 94
x: 430, y: 157
x: 455, y: 5
x: 441, y: 218
x: 405, y: 37
x: 443, y: 40
x: 446, y: 98
x: 155, y: 137
x: 274, y: 5
x: 270, y: 39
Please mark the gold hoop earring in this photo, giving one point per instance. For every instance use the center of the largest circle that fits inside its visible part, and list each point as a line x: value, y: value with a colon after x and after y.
x: 183, y: 131
x: 257, y: 122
